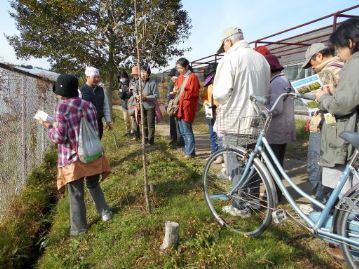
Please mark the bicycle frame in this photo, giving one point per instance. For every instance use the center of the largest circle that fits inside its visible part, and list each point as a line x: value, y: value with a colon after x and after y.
x: 263, y: 149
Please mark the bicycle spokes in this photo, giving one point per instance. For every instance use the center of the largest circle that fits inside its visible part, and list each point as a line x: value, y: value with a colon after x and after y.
x: 246, y: 209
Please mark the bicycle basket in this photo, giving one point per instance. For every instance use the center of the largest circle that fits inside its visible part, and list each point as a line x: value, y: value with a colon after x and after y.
x: 240, y: 131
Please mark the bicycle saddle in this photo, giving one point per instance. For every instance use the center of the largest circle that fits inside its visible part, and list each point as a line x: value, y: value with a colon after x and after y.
x: 351, y: 137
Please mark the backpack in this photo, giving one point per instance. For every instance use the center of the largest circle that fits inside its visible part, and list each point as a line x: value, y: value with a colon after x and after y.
x: 89, y: 148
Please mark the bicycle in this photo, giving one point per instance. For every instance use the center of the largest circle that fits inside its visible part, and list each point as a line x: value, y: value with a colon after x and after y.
x: 247, y: 183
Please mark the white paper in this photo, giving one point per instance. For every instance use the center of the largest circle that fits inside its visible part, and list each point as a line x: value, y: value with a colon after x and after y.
x: 43, y: 116
x: 308, y: 85
x: 208, y: 111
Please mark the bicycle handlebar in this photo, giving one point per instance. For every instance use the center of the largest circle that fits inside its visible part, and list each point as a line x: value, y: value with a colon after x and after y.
x: 265, y: 100
x: 260, y: 99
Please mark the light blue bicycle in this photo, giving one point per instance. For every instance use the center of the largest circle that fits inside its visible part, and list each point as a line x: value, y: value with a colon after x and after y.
x: 241, y: 194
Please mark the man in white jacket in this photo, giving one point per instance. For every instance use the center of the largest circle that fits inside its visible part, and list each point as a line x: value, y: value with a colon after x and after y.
x: 241, y: 72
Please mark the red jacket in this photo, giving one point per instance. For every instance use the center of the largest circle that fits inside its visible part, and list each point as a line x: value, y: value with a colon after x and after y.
x: 188, y: 103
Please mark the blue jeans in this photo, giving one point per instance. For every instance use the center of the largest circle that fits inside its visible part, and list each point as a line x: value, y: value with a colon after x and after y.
x: 175, y: 134
x: 320, y: 192
x: 212, y: 135
x: 188, y: 137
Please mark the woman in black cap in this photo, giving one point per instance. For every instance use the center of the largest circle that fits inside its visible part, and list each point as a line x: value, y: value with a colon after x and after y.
x: 176, y: 140
x: 124, y: 94
x: 64, y: 132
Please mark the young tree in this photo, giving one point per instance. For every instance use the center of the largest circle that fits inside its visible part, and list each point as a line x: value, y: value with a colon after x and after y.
x: 146, y: 23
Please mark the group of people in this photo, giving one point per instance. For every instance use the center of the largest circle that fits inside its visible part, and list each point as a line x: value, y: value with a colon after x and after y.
x: 241, y: 72
x: 132, y: 97
x: 180, y: 123
x: 338, y: 111
x: 244, y: 71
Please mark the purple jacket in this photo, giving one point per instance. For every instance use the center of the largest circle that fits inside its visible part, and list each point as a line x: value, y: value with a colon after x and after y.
x: 282, y: 127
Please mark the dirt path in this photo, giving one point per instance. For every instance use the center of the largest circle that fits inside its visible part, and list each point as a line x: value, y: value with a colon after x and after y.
x: 202, y: 140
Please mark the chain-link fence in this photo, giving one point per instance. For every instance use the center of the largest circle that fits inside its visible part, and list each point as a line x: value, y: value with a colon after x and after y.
x: 22, y: 141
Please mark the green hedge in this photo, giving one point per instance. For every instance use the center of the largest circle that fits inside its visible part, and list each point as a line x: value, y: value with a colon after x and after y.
x: 27, y: 219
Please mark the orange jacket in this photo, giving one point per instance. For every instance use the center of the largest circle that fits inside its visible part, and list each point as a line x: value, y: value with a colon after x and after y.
x: 188, y: 103
x: 207, y: 96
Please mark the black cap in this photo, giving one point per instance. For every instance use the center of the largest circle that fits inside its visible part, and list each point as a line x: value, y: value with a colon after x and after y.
x: 66, y: 86
x: 174, y: 72
x: 146, y: 67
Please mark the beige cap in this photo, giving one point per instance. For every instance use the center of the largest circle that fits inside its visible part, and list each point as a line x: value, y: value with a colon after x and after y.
x: 228, y: 32
x: 134, y: 70
x: 311, y: 51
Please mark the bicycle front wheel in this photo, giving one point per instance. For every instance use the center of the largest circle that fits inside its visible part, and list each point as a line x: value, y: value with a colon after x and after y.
x: 347, y: 225
x: 249, y: 209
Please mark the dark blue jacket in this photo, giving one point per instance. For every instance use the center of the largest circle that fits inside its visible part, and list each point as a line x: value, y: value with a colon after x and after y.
x: 95, y: 96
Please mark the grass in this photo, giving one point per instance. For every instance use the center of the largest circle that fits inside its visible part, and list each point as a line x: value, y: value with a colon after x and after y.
x: 27, y: 219
x: 132, y: 238
x: 298, y: 149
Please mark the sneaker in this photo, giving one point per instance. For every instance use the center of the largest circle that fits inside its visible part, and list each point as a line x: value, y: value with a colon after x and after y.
x: 307, y: 209
x: 222, y: 175
x: 180, y: 150
x: 219, y: 160
x: 236, y: 212
x: 107, y: 216
x: 263, y: 196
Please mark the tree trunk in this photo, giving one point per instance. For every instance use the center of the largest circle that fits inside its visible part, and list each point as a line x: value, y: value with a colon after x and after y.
x: 144, y: 161
x: 111, y: 77
x: 171, y: 238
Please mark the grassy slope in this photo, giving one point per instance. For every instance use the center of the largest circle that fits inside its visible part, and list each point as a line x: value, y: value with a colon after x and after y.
x: 28, y: 216
x: 132, y: 238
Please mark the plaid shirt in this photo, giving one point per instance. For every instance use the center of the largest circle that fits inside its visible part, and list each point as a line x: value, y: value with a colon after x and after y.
x: 66, y: 127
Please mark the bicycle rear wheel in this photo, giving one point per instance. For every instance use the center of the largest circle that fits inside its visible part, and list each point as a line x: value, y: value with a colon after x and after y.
x: 249, y: 210
x: 347, y: 225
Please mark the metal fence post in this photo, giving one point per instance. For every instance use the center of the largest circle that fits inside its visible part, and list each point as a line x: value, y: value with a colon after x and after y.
x: 23, y: 135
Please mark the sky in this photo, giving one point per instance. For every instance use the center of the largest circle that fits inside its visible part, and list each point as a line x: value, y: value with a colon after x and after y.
x: 257, y: 18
